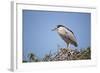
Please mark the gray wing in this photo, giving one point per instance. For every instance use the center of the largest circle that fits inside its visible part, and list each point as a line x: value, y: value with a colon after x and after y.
x: 72, y: 38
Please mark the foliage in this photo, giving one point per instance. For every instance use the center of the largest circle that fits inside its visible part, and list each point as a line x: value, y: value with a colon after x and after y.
x: 69, y: 54
x: 32, y: 57
x: 63, y: 54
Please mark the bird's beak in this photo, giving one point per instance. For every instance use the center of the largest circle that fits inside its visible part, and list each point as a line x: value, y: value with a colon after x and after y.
x: 54, y: 29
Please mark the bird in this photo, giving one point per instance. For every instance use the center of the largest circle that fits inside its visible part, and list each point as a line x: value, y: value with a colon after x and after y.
x: 66, y: 34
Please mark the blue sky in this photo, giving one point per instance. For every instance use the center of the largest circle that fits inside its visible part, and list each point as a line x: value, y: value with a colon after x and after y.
x: 39, y: 38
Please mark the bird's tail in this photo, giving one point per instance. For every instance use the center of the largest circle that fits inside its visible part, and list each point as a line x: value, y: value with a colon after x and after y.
x: 75, y: 44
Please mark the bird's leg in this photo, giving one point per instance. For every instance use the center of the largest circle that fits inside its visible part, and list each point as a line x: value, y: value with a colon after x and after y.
x: 67, y: 45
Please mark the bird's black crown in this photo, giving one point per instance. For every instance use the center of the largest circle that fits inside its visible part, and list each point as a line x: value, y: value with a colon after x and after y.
x: 60, y: 26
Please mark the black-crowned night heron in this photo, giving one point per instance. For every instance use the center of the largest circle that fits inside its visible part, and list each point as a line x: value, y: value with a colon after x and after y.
x: 66, y: 34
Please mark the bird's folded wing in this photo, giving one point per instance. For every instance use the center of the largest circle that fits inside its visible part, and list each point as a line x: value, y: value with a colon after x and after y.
x: 71, y: 37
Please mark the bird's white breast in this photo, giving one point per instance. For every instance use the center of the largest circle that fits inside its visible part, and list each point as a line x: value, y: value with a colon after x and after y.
x: 61, y: 31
